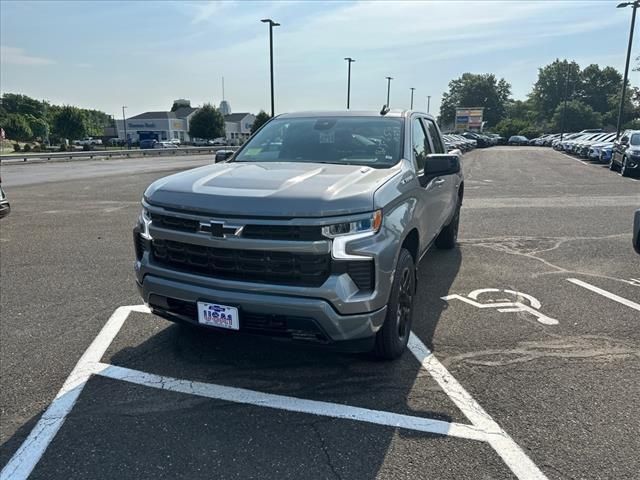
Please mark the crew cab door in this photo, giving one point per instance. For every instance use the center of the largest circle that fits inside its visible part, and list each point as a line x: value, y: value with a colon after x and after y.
x: 619, y: 147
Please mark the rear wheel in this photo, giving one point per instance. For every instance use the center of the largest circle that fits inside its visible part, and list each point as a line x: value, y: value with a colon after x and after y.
x: 392, y: 338
x: 612, y: 165
x: 448, y: 237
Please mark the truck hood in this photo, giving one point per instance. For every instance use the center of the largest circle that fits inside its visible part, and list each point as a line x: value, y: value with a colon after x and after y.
x: 271, y: 189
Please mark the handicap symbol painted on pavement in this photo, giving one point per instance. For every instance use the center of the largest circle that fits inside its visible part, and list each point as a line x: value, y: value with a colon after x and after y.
x: 505, y: 304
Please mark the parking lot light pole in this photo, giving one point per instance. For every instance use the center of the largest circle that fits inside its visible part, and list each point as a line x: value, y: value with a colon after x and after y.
x: 428, y: 103
x: 412, y: 89
x: 350, y: 61
x: 124, y: 123
x: 388, y: 88
x: 271, y: 25
x: 634, y: 7
x: 564, y: 108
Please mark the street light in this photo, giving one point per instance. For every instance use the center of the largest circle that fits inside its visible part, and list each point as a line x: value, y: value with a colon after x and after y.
x: 634, y: 7
x: 388, y: 88
x: 412, y: 89
x: 271, y: 25
x: 350, y: 61
x: 124, y: 122
x: 428, y: 103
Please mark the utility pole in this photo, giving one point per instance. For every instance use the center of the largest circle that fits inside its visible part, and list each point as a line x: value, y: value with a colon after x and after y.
x: 124, y: 123
x: 428, y: 103
x: 349, y: 61
x: 564, y: 108
x: 388, y: 88
x: 271, y: 25
x: 412, y: 89
x: 634, y: 7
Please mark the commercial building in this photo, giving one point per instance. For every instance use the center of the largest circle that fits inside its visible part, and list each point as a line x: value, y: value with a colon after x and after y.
x: 157, y: 125
x: 237, y: 127
x: 175, y: 125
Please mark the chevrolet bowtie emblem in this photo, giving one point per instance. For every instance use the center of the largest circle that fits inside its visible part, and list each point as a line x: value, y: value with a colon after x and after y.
x: 221, y: 229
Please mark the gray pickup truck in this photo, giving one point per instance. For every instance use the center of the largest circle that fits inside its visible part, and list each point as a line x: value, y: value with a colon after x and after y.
x: 312, y: 231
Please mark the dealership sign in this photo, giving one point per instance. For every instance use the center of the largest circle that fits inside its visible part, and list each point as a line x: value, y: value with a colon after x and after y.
x: 469, y: 118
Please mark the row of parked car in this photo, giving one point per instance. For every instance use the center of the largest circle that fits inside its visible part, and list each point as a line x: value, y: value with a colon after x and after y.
x: 469, y: 140
x: 622, y: 154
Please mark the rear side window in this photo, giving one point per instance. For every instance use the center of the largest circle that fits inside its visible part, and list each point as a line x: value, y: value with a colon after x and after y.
x: 419, y: 144
x: 435, y: 136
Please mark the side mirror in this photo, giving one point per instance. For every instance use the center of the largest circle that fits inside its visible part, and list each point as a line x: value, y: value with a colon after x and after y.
x: 624, y: 140
x: 223, y: 155
x: 440, y: 164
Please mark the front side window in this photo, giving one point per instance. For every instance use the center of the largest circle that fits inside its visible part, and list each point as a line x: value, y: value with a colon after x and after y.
x: 370, y: 141
x: 420, y: 144
x: 435, y: 136
x: 635, y: 139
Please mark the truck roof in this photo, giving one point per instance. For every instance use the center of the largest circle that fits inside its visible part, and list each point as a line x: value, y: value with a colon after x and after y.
x: 351, y: 113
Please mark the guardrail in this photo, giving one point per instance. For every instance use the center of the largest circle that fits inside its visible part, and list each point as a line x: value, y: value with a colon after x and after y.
x: 90, y: 154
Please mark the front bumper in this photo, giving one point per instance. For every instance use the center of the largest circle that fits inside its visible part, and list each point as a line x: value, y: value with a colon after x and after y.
x: 303, y: 319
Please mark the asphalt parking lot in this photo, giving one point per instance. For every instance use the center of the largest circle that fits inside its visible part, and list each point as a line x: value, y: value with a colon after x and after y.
x: 524, y: 362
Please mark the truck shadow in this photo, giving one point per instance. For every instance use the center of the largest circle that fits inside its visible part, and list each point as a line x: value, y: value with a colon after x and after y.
x: 114, y: 418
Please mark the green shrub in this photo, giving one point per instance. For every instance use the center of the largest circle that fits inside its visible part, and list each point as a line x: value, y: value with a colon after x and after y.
x: 16, y: 147
x: 63, y: 147
x: 26, y: 148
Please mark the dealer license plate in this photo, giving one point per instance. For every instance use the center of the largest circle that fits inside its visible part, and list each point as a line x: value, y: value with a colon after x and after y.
x: 220, y: 316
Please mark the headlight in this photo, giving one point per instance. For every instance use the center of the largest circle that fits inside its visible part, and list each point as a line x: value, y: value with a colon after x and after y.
x: 145, y: 220
x: 368, y: 223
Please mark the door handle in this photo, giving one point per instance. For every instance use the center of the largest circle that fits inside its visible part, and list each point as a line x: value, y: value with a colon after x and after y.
x: 439, y: 181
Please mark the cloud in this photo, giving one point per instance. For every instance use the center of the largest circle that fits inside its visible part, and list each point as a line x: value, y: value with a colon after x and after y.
x: 204, y: 11
x: 17, y: 56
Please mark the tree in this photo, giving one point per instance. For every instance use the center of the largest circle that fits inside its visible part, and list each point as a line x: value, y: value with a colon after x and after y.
x: 578, y: 117
x: 597, y: 86
x: 16, y: 127
x: 39, y: 127
x: 207, y: 123
x: 549, y: 90
x: 69, y: 123
x: 262, y: 118
x: 512, y: 126
x: 473, y: 90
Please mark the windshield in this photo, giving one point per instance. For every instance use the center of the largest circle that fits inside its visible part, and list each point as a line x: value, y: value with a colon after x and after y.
x: 635, y: 139
x: 371, y: 141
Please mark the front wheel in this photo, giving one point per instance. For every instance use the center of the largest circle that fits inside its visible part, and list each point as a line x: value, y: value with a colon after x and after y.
x: 624, y: 169
x: 612, y: 165
x: 391, y: 339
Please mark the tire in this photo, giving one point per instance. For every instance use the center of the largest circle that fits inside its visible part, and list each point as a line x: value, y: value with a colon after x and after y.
x: 612, y: 165
x: 448, y: 236
x: 391, y: 339
x: 624, y: 171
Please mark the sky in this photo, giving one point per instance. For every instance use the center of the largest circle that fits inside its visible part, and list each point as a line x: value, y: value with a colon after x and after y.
x: 105, y: 54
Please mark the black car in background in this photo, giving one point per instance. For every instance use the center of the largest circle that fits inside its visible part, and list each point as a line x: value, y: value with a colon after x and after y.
x: 626, y: 153
x: 482, y: 140
x: 518, y: 140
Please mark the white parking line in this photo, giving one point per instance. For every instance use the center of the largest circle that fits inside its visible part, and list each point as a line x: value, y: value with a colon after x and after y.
x: 34, y: 446
x: 515, y: 458
x: 483, y: 427
x: 292, y: 404
x: 604, y: 293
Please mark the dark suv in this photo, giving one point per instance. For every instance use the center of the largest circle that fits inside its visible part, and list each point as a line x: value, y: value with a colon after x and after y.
x: 626, y: 153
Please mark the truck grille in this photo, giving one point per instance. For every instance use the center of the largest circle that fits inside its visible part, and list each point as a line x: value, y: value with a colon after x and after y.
x: 300, y: 233
x: 285, y: 268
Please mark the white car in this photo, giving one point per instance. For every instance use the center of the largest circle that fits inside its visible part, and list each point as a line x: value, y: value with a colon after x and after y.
x: 164, y: 144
